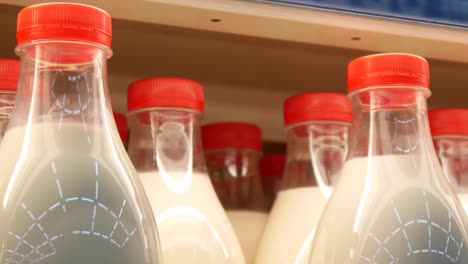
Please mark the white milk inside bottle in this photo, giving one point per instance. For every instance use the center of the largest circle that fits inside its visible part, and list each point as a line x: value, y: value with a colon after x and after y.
x: 449, y: 128
x: 9, y: 70
x: 185, y: 219
x: 317, y: 128
x: 392, y: 203
x: 71, y: 212
x: 232, y: 152
x: 429, y: 225
x: 291, y: 202
x: 463, y: 196
x: 68, y: 190
x: 165, y: 147
x: 248, y: 225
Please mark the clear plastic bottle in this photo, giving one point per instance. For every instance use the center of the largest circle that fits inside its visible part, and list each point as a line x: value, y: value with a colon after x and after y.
x: 317, y: 131
x: 392, y: 203
x: 9, y: 70
x: 165, y: 146
x: 68, y: 190
x: 122, y: 128
x: 232, y: 152
x: 449, y: 128
x: 272, y: 171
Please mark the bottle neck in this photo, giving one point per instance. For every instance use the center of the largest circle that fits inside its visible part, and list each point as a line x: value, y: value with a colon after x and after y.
x: 389, y: 121
x: 452, y: 151
x: 62, y: 83
x: 235, y: 174
x: 316, y: 151
x: 166, y: 140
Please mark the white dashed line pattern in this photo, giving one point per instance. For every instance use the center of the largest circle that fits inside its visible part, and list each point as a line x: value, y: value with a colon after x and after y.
x: 412, y: 238
x: 42, y: 247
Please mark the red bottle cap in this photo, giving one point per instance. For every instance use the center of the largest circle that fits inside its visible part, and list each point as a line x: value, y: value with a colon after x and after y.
x: 122, y: 127
x: 317, y: 106
x: 388, y: 69
x: 448, y: 121
x: 166, y: 92
x: 64, y: 21
x: 231, y: 135
x: 9, y: 71
x: 272, y: 170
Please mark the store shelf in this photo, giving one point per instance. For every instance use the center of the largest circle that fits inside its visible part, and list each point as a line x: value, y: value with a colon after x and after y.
x: 288, y: 23
x: 259, y: 54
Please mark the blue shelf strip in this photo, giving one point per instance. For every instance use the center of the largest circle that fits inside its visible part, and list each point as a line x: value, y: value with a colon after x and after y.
x: 453, y: 13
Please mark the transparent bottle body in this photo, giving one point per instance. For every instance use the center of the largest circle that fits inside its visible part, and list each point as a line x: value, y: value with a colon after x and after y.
x: 315, y: 152
x: 69, y: 192
x: 452, y: 151
x: 392, y: 203
x: 235, y: 175
x: 7, y: 102
x: 165, y: 147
